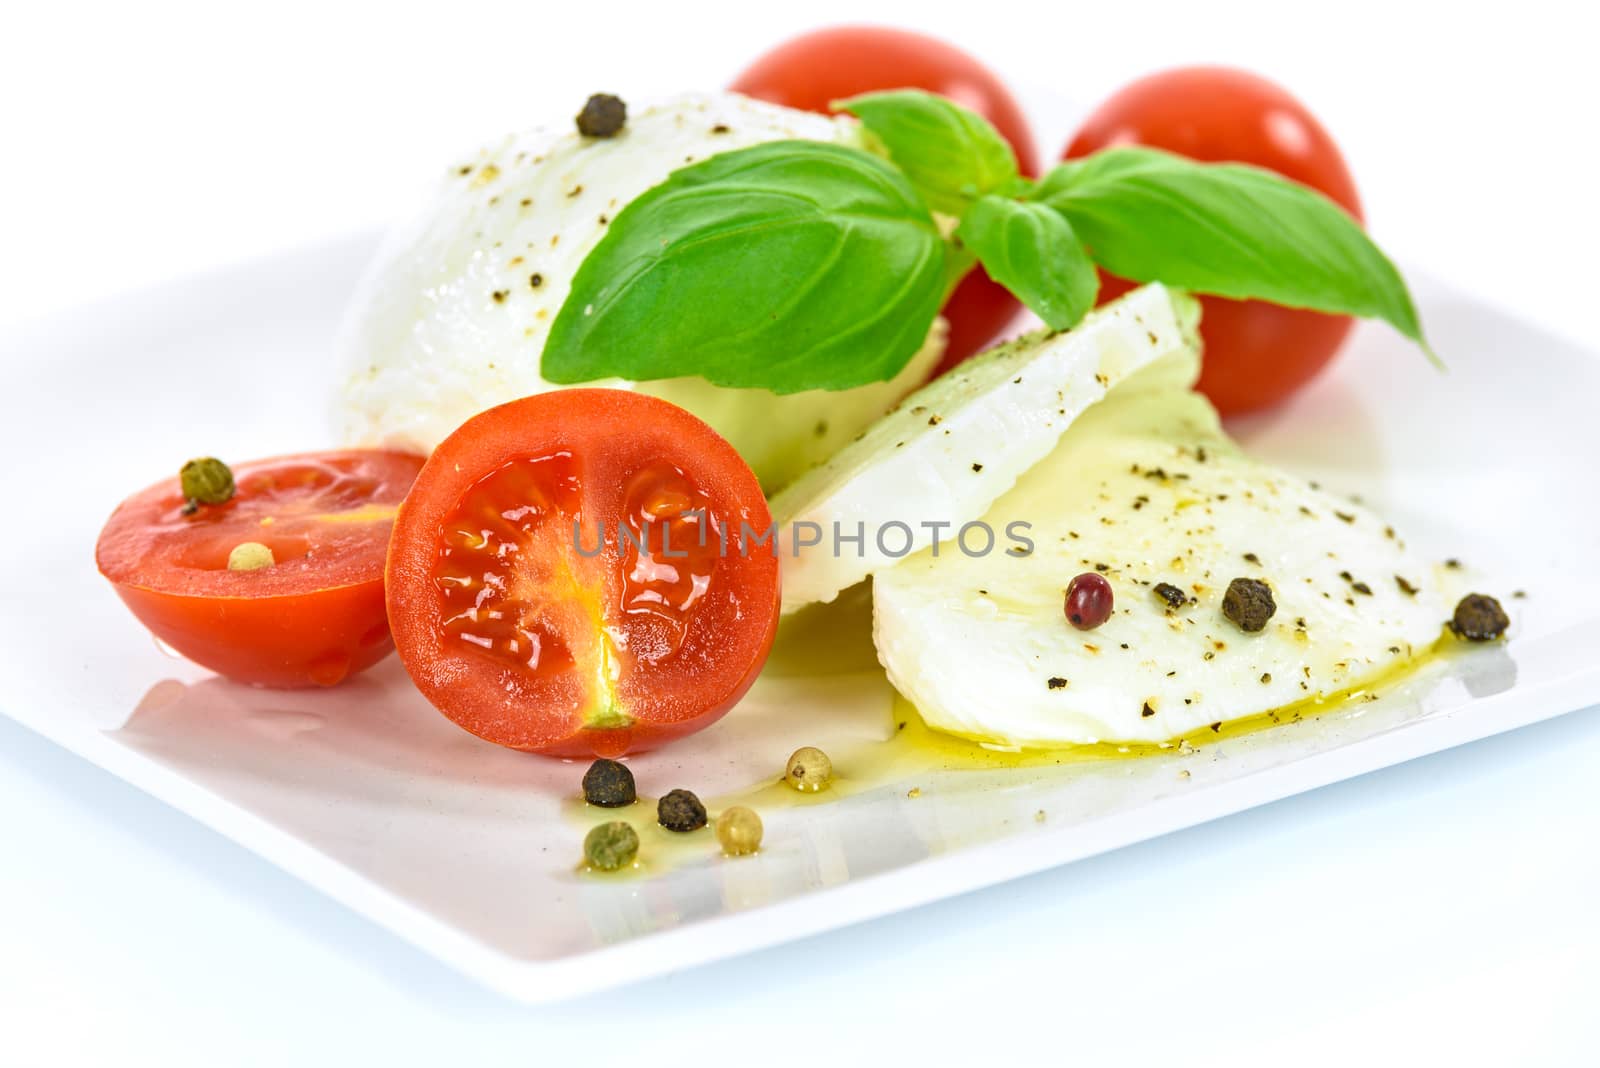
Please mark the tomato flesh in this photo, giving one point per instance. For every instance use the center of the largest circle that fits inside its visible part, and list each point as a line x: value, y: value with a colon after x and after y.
x: 558, y: 582
x: 814, y: 69
x: 503, y: 583
x: 316, y: 616
x: 1256, y: 354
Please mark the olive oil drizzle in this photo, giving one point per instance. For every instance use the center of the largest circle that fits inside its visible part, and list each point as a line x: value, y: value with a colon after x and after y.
x: 660, y: 850
x: 911, y: 752
x: 945, y: 751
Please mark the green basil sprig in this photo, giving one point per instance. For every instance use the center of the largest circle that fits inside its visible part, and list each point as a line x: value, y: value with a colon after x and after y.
x: 788, y: 266
x: 800, y: 265
x: 949, y: 154
x: 1226, y: 229
x: 1031, y: 250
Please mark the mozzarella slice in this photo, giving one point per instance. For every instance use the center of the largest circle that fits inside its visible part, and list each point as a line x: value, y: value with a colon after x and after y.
x: 951, y: 449
x: 1146, y: 489
x: 452, y: 318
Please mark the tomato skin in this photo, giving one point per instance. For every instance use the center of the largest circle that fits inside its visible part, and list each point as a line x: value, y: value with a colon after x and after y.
x: 316, y: 640
x: 589, y: 447
x: 304, y: 622
x: 979, y: 310
x: 810, y: 71
x: 1256, y: 354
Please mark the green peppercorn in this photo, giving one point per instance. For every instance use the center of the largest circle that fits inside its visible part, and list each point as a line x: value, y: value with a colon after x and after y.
x: 809, y: 770
x: 681, y: 810
x: 609, y: 785
x: 207, y: 481
x: 610, y: 846
x: 739, y: 830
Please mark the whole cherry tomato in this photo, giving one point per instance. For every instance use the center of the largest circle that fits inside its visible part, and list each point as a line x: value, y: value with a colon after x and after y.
x: 1256, y: 354
x: 817, y: 68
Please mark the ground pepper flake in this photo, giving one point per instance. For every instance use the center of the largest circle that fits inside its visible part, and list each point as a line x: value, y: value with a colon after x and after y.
x: 1174, y: 596
x: 1358, y: 587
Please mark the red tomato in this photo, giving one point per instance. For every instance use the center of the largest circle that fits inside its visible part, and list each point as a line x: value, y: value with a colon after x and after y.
x: 1256, y: 354
x: 316, y: 615
x: 551, y: 589
x: 816, y: 68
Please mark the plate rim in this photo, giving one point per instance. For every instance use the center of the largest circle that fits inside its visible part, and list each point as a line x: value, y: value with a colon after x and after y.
x: 934, y: 878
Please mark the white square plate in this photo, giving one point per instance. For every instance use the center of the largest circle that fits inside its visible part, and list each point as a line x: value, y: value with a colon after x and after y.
x: 467, y: 850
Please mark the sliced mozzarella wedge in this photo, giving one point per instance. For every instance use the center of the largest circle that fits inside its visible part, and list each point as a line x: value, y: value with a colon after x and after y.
x: 1146, y: 489
x: 941, y: 458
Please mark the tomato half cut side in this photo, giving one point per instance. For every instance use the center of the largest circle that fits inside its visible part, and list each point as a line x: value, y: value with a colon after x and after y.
x: 567, y: 576
x: 312, y: 618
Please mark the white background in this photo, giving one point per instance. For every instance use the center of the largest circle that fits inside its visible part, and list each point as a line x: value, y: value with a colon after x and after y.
x: 1442, y: 912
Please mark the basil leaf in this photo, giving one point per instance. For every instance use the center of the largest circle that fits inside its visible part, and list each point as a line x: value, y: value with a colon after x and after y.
x: 1227, y: 229
x: 951, y: 155
x: 787, y: 266
x: 1031, y: 250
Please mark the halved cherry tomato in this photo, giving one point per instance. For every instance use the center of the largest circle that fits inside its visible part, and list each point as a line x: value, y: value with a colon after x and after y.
x: 568, y: 575
x: 1256, y: 354
x: 816, y: 68
x: 316, y: 615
